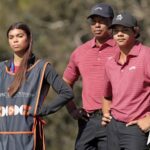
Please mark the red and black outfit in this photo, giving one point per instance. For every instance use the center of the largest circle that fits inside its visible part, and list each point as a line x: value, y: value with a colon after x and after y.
x: 87, y: 62
x: 129, y: 86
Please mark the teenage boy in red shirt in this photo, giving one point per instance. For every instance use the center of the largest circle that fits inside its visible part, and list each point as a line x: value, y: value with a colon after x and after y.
x: 126, y: 106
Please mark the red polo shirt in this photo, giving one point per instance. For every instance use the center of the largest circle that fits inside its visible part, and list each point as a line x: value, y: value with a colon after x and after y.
x: 88, y: 61
x: 129, y: 84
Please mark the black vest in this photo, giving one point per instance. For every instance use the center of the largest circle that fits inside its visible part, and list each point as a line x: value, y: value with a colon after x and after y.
x: 19, y: 130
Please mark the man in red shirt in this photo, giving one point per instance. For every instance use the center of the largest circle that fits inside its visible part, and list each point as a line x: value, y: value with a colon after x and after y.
x: 126, y: 105
x: 88, y: 61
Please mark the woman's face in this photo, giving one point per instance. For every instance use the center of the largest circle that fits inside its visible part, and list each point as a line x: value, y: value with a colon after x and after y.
x: 18, y: 41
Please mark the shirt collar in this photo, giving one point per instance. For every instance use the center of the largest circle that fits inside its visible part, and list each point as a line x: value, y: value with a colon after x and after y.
x: 110, y: 42
x: 133, y: 52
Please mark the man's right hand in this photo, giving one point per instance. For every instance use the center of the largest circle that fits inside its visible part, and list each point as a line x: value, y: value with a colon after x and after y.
x: 79, y: 113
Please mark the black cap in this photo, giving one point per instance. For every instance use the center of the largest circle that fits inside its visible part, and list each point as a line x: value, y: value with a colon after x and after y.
x: 125, y: 19
x: 103, y: 10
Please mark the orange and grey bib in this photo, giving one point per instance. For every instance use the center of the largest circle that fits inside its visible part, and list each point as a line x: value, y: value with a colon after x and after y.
x: 19, y: 130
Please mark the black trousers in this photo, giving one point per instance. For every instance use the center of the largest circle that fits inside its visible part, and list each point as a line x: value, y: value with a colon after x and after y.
x: 91, y: 135
x: 121, y: 137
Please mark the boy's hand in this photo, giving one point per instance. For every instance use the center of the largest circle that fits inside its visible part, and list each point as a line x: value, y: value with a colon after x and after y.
x: 143, y: 123
x: 106, y: 119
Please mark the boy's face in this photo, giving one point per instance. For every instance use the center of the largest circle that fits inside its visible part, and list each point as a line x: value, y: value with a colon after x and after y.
x: 124, y: 36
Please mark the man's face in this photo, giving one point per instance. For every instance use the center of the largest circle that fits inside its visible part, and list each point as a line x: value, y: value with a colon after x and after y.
x: 99, y: 26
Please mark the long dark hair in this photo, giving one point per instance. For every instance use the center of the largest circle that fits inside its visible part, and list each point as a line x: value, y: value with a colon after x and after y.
x: 20, y: 75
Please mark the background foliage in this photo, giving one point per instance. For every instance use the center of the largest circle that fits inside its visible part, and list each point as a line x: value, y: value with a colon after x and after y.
x: 58, y: 27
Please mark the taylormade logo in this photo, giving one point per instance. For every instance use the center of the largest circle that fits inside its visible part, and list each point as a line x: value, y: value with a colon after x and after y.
x: 119, y: 17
